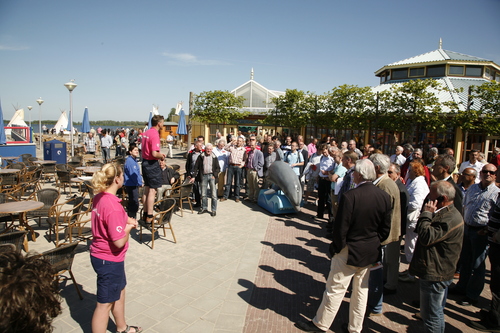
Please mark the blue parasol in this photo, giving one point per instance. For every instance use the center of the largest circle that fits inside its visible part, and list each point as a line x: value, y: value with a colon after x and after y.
x: 3, y: 138
x: 150, y: 117
x: 181, y: 126
x: 85, y: 122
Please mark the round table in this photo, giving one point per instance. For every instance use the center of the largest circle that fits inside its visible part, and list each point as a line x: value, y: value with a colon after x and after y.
x: 89, y: 170
x: 41, y: 162
x: 8, y: 171
x: 21, y: 207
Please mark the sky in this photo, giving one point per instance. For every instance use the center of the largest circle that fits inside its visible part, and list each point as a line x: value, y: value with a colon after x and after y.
x: 126, y: 55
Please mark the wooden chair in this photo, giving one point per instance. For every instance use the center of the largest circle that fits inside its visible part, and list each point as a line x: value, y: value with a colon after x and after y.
x: 182, y: 193
x: 60, y: 216
x: 64, y: 180
x: 15, y: 238
x: 61, y: 259
x: 49, y: 171
x: 79, y: 227
x: 25, y: 157
x: 49, y: 197
x: 163, y: 211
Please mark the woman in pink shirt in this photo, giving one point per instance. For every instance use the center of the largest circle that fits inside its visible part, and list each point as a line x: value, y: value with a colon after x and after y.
x: 110, y: 230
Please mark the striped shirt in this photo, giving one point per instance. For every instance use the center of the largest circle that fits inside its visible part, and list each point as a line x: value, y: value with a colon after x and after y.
x: 477, y: 204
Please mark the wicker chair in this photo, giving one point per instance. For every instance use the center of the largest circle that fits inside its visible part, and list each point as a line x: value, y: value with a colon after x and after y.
x: 181, y: 193
x: 5, y: 248
x: 64, y: 180
x: 79, y: 227
x: 60, y: 216
x: 25, y: 157
x: 49, y: 170
x: 15, y: 238
x: 163, y: 211
x: 61, y: 259
x: 49, y: 197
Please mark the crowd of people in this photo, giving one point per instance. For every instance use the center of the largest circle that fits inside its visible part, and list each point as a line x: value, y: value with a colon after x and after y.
x: 445, y: 213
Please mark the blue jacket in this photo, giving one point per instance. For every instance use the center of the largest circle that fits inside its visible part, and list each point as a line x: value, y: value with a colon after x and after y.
x: 132, y: 172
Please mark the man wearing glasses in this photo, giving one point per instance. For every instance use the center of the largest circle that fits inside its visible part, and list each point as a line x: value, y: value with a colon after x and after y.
x: 477, y: 204
x: 468, y: 177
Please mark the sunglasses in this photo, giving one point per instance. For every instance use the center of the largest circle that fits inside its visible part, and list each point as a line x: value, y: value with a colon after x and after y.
x: 488, y: 171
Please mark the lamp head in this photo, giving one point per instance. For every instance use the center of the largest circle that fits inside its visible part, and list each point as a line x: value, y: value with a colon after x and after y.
x: 70, y: 85
x: 29, y: 107
x: 39, y: 101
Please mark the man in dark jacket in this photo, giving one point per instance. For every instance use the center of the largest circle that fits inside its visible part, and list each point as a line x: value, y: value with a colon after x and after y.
x: 206, y: 172
x: 440, y: 230
x: 363, y: 221
x: 191, y: 159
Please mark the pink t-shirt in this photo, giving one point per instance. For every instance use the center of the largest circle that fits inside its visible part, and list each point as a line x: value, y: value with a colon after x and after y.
x: 108, y: 225
x: 150, y: 143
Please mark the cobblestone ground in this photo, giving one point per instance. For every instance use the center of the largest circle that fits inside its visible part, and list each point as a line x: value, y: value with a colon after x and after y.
x: 290, y: 281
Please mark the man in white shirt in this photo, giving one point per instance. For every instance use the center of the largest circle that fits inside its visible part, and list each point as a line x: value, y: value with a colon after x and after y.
x: 473, y: 163
x: 170, y: 142
x: 398, y: 157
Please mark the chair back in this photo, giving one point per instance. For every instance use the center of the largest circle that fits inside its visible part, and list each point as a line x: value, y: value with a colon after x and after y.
x: 61, y: 167
x: 25, y: 157
x: 49, y: 168
x: 94, y: 163
x: 165, y: 209
x: 63, y: 176
x: 15, y: 238
x: 186, y: 189
x: 74, y: 164
x: 48, y: 196
x: 61, y: 258
x: 10, y: 179
x: 31, y: 160
x: 89, y: 188
x: 18, y: 166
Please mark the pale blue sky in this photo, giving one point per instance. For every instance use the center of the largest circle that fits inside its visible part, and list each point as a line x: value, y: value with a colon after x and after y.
x: 126, y: 55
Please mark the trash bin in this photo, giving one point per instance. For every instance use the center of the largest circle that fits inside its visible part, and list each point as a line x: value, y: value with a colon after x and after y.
x: 55, y: 150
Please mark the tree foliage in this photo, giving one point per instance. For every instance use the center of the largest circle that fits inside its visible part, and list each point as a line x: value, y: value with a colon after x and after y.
x: 291, y: 110
x: 349, y: 106
x: 488, y: 97
x: 218, y: 107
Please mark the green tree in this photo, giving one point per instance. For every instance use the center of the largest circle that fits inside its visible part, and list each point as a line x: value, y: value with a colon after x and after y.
x: 349, y: 106
x: 172, y: 112
x: 417, y: 102
x: 218, y: 107
x: 292, y: 110
x: 487, y: 96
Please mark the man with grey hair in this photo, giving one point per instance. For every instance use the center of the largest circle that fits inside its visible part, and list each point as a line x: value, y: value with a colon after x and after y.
x: 206, y: 172
x: 398, y: 156
x: 390, y: 247
x: 443, y: 167
x: 431, y: 157
x: 363, y: 221
x: 352, y: 147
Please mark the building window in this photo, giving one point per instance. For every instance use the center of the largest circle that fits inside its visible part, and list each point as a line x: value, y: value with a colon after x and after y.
x: 476, y: 71
x: 399, y: 74
x: 489, y: 74
x: 420, y: 71
x: 436, y: 71
x: 456, y: 70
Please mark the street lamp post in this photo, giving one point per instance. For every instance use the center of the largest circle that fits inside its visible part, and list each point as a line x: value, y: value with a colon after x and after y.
x: 31, y: 129
x: 40, y: 101
x: 71, y: 85
x: 29, y: 108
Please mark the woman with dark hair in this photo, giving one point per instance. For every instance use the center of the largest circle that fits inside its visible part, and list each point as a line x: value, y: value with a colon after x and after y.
x: 418, y: 190
x: 133, y: 180
x: 110, y: 230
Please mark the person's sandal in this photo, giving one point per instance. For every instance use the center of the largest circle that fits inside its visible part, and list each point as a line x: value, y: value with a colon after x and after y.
x: 127, y: 330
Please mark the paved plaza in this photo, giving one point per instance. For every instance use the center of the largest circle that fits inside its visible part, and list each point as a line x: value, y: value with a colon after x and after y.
x: 241, y: 271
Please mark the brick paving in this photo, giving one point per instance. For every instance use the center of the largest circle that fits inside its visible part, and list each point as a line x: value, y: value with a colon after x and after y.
x: 290, y: 281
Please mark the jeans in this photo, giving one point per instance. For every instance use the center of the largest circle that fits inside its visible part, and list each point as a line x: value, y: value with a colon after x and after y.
x: 473, y: 256
x: 376, y: 290
x: 106, y: 154
x: 233, y: 171
x: 208, y: 180
x: 432, y: 301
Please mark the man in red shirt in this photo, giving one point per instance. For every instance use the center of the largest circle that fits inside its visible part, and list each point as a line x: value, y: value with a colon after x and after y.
x: 151, y: 171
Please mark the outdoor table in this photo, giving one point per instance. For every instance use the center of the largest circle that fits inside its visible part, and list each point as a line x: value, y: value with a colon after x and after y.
x: 21, y: 207
x: 89, y: 170
x: 8, y: 171
x: 41, y: 162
